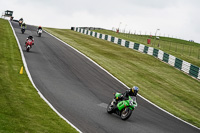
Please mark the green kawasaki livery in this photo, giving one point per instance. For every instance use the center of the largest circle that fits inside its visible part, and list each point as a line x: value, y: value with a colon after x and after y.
x: 123, y: 108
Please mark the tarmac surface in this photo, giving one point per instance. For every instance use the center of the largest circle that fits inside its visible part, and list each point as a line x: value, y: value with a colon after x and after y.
x: 80, y: 91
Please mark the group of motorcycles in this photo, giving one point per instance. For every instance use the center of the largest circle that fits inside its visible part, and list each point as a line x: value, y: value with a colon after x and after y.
x: 122, y: 108
x: 29, y: 42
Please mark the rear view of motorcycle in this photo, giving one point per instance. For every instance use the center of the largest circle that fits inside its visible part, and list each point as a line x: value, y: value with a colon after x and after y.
x: 123, y: 108
x: 23, y: 29
x: 29, y: 44
x: 39, y: 32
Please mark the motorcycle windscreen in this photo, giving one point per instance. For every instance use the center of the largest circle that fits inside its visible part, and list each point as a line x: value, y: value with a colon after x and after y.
x: 134, y: 98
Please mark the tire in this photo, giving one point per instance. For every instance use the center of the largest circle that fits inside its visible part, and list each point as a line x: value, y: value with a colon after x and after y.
x: 27, y: 49
x: 109, y: 108
x: 39, y: 34
x: 126, y: 113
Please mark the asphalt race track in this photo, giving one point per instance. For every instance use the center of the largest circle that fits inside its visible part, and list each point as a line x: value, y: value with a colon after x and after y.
x: 80, y: 90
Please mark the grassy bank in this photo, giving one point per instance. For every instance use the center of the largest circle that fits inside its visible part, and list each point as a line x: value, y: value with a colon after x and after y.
x: 21, y: 108
x: 185, y: 50
x: 162, y: 84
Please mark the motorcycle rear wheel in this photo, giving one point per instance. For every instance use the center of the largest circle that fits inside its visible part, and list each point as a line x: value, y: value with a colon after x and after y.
x: 126, y: 113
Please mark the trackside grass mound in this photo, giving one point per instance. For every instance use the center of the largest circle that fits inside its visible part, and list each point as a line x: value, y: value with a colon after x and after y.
x: 21, y: 108
x: 184, y: 50
x: 160, y: 83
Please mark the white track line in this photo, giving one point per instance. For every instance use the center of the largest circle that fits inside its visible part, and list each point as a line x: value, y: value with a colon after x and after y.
x: 29, y: 75
x: 122, y: 82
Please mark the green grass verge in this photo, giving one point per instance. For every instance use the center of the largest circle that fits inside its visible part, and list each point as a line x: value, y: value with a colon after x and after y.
x: 21, y: 108
x: 160, y: 83
x: 188, y: 51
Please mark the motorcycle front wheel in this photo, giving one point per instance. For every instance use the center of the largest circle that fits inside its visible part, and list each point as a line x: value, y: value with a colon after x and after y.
x: 110, y: 108
x: 27, y: 49
x: 126, y: 113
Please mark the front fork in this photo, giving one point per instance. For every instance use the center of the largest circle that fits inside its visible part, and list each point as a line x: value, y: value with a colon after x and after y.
x: 113, y: 102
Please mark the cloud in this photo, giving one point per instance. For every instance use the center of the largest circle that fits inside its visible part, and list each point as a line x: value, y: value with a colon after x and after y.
x: 173, y: 17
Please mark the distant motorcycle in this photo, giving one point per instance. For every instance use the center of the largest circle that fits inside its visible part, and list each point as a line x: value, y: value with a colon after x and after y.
x: 29, y: 44
x: 39, y: 32
x: 124, y: 108
x: 23, y: 29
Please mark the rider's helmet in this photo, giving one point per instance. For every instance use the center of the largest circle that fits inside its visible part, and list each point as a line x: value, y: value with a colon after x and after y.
x: 30, y: 37
x: 134, y: 91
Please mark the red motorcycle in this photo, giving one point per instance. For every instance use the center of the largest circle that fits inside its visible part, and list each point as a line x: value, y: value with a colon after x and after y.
x: 29, y: 44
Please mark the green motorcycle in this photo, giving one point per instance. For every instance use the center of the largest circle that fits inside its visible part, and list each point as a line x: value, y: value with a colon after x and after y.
x: 123, y: 108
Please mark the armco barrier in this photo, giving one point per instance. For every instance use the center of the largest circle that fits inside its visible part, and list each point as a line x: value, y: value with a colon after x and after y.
x: 141, y: 48
x: 146, y: 49
x: 155, y: 52
x: 136, y: 46
x: 150, y: 51
x: 166, y: 57
x: 178, y: 63
x: 160, y: 54
x: 186, y: 67
x: 172, y: 60
x: 194, y: 71
x: 182, y: 65
x: 127, y: 44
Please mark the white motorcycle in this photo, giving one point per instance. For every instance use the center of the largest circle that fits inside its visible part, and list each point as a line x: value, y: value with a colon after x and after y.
x: 39, y: 32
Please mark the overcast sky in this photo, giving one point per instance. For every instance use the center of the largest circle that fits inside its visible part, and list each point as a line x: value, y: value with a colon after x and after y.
x: 177, y: 18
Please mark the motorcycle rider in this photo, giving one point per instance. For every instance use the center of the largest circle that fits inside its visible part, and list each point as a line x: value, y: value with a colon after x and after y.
x: 21, y: 19
x: 30, y: 38
x: 39, y: 27
x: 23, y: 25
x: 125, y: 96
